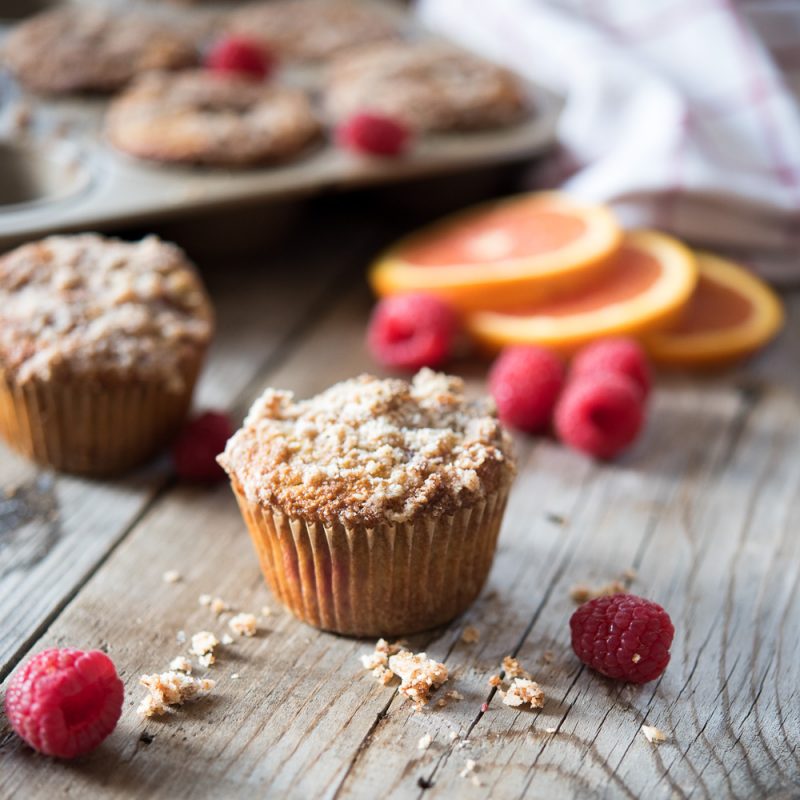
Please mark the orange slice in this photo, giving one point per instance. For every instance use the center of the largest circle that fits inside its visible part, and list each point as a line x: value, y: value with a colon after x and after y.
x: 496, y: 255
x: 730, y: 315
x: 645, y: 287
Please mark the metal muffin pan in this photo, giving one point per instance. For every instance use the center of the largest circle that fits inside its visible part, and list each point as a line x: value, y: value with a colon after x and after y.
x: 59, y: 174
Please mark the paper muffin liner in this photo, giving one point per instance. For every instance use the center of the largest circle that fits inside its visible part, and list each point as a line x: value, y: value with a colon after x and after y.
x: 90, y: 428
x: 387, y: 580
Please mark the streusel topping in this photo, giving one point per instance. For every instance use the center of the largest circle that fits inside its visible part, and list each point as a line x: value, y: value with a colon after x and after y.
x: 369, y: 450
x: 88, y: 306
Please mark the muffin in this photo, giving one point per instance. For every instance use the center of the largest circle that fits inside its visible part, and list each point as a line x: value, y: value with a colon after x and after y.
x: 375, y: 506
x: 81, y: 49
x: 101, y: 343
x: 312, y: 30
x: 201, y: 117
x: 428, y: 85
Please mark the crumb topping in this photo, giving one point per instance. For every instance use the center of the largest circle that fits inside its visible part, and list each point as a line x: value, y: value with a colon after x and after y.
x: 523, y: 690
x: 169, y: 689
x: 244, y: 624
x: 82, y: 305
x: 513, y: 669
x: 378, y: 661
x: 419, y: 675
x: 369, y: 450
x: 203, y: 644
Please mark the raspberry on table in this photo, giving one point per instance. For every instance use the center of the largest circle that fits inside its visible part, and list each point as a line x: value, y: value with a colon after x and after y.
x: 600, y: 414
x: 619, y: 355
x: 623, y: 636
x: 411, y: 331
x: 64, y: 702
x: 525, y: 382
x: 195, y: 450
x: 240, y: 55
x: 374, y: 135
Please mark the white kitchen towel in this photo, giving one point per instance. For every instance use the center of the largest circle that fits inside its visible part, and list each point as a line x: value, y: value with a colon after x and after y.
x: 683, y: 114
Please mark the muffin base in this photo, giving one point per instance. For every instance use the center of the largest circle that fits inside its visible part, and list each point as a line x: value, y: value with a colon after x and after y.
x: 387, y: 580
x: 90, y: 429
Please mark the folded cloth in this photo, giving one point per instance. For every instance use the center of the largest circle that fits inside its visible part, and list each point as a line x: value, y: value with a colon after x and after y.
x: 683, y: 114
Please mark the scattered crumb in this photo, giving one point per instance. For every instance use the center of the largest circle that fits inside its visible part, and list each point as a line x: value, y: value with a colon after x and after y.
x: 171, y: 576
x: 180, y: 637
x: 470, y: 635
x: 453, y: 736
x: 244, y: 624
x: 180, y: 664
x: 580, y: 593
x: 442, y: 702
x: 204, y: 599
x: 550, y: 730
x: 424, y: 742
x: 512, y: 668
x: 548, y: 656
x: 235, y: 676
x: 469, y: 768
x: 218, y: 606
x: 169, y: 689
x: 653, y: 734
x: 636, y: 658
x: 475, y: 780
x: 203, y: 644
x: 378, y: 660
x: 419, y: 675
x: 266, y: 611
x: 494, y: 680
x: 522, y: 691
x: 227, y: 638
x: 630, y: 574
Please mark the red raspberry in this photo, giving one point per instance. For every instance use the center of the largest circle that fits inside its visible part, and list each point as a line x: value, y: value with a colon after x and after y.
x: 195, y: 450
x: 240, y: 55
x: 410, y: 331
x: 618, y: 355
x: 64, y: 702
x: 374, y: 135
x: 624, y: 637
x: 525, y: 382
x: 600, y: 414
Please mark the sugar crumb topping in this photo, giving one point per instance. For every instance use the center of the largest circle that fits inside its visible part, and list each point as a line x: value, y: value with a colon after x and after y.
x: 522, y: 691
x: 419, y: 675
x: 166, y: 690
x: 369, y: 450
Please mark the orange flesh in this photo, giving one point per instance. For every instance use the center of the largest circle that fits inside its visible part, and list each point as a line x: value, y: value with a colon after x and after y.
x: 712, y: 307
x: 632, y: 273
x: 499, y: 235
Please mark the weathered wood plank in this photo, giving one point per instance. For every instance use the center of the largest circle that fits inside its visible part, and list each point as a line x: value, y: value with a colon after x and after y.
x: 54, y: 530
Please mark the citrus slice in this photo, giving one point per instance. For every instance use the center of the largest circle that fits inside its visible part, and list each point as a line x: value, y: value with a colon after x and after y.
x: 645, y: 286
x: 496, y: 255
x: 730, y: 315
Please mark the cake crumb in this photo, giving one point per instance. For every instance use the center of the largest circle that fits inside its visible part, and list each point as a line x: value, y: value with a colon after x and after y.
x: 581, y: 593
x: 419, y: 675
x: 469, y: 768
x: 653, y: 735
x: 424, y: 742
x: 169, y: 689
x: 548, y: 656
x: 265, y: 611
x: 378, y: 661
x: 244, y: 624
x: 171, y: 576
x: 512, y: 668
x: 180, y: 637
x: 204, y: 599
x: 550, y: 730
x: 470, y: 635
x: 494, y: 680
x: 203, y: 644
x: 522, y: 691
x: 453, y: 736
x: 180, y: 664
x: 235, y: 676
x: 219, y: 606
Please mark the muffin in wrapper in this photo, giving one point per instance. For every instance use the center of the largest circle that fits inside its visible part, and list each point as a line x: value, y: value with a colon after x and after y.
x: 364, y: 574
x: 101, y: 344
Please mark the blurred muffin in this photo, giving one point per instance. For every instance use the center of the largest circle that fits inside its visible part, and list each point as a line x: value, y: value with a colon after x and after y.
x: 101, y: 342
x: 429, y: 86
x: 375, y: 506
x: 200, y: 117
x: 83, y: 49
x: 312, y: 30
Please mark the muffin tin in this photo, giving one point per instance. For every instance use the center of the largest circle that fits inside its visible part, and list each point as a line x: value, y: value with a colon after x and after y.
x: 59, y: 174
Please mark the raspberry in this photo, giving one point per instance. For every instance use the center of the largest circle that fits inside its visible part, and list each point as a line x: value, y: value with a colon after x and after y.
x: 195, y: 450
x: 624, y: 637
x: 410, y: 331
x: 620, y: 355
x: 600, y: 414
x: 64, y: 702
x: 373, y: 135
x: 525, y: 382
x: 240, y: 55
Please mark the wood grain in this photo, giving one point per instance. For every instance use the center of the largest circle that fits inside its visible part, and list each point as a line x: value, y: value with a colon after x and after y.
x: 705, y: 509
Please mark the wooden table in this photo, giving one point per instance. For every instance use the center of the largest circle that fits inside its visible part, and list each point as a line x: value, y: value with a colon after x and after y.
x: 706, y: 510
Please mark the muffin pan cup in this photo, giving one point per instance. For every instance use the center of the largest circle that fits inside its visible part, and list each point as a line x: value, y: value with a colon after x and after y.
x: 388, y: 580
x: 104, y: 189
